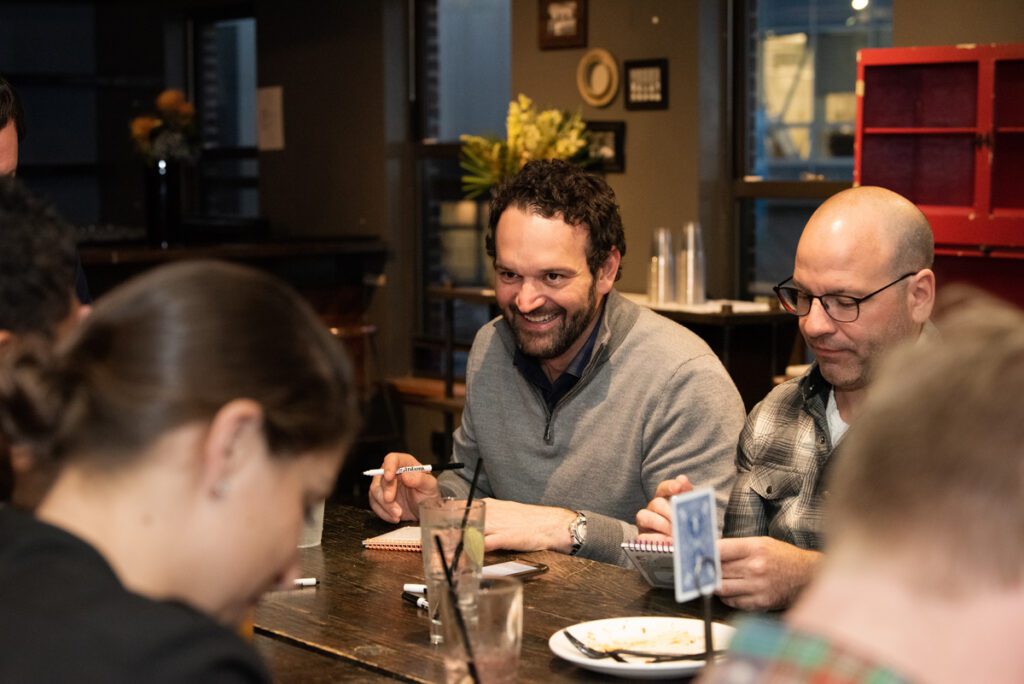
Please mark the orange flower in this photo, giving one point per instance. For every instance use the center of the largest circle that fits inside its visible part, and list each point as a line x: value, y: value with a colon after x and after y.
x: 186, y: 110
x: 142, y: 126
x: 170, y: 133
x: 170, y: 100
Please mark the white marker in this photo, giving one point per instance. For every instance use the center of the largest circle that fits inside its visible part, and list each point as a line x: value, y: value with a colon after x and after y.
x: 417, y: 469
x: 415, y: 588
x: 306, y: 582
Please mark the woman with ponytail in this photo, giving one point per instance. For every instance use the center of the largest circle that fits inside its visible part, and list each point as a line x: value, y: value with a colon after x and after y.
x: 190, y: 422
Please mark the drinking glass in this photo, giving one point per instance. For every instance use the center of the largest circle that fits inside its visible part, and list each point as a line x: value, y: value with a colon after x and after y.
x: 447, y: 519
x: 494, y: 625
x: 313, y: 527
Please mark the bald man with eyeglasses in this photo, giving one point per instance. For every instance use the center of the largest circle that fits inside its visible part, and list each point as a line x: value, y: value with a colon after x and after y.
x: 862, y: 282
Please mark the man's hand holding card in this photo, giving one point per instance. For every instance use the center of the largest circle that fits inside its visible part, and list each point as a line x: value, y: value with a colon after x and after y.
x: 749, y: 573
x: 762, y: 573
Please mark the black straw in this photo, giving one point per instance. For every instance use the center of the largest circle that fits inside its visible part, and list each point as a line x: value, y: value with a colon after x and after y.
x: 472, y: 489
x: 709, y: 646
x: 465, y: 514
x: 454, y: 598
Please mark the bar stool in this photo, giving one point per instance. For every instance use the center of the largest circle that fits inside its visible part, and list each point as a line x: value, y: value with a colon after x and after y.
x: 381, y: 429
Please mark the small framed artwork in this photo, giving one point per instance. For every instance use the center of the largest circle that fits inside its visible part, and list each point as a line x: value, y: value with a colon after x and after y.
x: 646, y: 83
x: 607, y: 145
x: 562, y: 24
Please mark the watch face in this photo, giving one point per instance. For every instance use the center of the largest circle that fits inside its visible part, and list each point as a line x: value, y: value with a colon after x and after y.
x: 578, y: 530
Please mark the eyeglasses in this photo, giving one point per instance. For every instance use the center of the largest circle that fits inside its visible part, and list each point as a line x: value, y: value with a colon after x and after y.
x: 840, y: 308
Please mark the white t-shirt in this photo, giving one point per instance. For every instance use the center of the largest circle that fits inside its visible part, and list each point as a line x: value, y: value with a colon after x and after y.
x: 837, y: 427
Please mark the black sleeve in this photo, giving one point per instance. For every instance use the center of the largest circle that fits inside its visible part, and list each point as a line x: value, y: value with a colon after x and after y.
x: 205, y: 656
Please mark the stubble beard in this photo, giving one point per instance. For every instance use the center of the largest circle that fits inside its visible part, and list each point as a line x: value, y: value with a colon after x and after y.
x: 554, y: 343
x: 859, y: 371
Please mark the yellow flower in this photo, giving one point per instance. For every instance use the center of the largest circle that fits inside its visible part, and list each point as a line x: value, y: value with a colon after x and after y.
x: 521, y: 106
x: 567, y: 147
x: 529, y: 134
x: 550, y: 120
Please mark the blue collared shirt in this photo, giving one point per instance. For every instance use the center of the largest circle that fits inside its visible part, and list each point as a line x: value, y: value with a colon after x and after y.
x: 552, y: 392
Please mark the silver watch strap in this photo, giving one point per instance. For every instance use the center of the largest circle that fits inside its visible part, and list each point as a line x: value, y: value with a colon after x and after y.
x: 578, y: 532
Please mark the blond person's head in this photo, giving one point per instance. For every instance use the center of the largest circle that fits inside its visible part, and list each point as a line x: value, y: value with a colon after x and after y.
x: 931, y: 477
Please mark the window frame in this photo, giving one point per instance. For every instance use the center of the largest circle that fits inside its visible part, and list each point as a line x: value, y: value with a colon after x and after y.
x: 744, y: 188
x: 204, y: 182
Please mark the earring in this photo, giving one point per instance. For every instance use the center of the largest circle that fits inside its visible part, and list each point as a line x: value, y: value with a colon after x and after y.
x: 220, y: 489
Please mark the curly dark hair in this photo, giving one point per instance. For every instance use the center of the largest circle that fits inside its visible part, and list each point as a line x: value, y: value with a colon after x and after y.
x: 10, y: 108
x: 552, y: 187
x: 37, y: 262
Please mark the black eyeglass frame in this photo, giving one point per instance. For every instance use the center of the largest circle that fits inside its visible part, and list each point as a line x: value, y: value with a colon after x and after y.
x: 821, y: 298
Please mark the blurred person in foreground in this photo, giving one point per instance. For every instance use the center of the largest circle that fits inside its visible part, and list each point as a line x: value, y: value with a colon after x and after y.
x: 37, y: 298
x: 192, y: 433
x: 37, y: 267
x: 578, y: 401
x: 862, y: 283
x: 12, y: 128
x: 924, y: 576
x: 12, y: 135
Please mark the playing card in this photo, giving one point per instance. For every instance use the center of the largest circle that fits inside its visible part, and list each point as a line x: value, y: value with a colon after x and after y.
x: 698, y: 569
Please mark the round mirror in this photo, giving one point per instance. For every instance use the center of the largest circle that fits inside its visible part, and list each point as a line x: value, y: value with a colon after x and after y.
x: 597, y: 78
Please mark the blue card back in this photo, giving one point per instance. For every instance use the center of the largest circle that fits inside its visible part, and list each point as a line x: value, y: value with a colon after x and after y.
x: 698, y: 568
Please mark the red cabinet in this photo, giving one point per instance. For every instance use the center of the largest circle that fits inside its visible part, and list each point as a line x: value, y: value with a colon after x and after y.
x: 944, y: 126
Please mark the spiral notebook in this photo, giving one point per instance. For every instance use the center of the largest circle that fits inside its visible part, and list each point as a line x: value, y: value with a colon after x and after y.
x: 653, y: 560
x: 403, y: 539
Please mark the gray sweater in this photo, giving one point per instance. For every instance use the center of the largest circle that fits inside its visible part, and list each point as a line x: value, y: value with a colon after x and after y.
x: 653, y: 402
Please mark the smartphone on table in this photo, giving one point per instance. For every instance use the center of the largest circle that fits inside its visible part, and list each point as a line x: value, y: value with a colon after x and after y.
x: 514, y: 568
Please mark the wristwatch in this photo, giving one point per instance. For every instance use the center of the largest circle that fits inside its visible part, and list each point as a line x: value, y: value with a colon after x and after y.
x: 578, y: 532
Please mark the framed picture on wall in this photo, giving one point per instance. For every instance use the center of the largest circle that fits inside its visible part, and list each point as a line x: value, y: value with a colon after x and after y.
x: 562, y: 24
x: 646, y: 83
x: 607, y: 145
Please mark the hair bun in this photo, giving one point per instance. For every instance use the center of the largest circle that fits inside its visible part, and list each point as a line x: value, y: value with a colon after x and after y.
x: 36, y: 396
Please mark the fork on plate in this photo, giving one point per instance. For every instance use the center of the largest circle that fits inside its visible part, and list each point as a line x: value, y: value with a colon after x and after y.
x: 617, y: 653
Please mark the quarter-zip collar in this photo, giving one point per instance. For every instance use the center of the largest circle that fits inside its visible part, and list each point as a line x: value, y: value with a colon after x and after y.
x: 618, y: 319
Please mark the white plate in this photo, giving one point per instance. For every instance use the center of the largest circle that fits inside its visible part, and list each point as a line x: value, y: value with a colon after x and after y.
x: 655, y: 634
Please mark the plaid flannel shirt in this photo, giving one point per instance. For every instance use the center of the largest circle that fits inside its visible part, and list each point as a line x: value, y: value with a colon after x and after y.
x: 765, y: 651
x: 784, y: 452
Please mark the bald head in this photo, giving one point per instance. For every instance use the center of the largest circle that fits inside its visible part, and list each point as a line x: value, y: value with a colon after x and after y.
x: 876, y: 223
x: 875, y: 247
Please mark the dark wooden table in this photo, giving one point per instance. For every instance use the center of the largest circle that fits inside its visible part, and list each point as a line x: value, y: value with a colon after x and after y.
x: 356, y: 626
